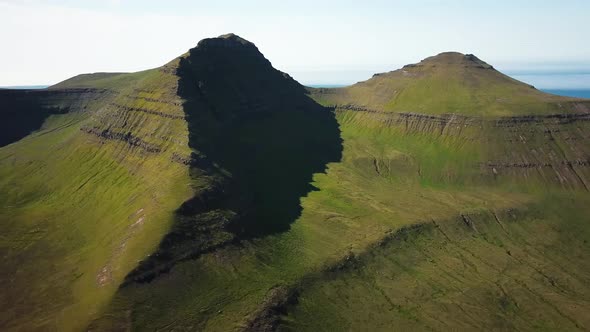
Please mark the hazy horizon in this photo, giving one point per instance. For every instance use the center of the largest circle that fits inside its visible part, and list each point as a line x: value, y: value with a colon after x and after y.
x: 332, y: 41
x: 564, y: 80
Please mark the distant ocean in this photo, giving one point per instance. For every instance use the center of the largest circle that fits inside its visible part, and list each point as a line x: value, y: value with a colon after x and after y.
x: 565, y: 83
x: 25, y: 87
x: 569, y: 93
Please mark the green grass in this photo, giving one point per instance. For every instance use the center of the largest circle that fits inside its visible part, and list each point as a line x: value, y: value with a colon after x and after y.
x: 102, y: 80
x: 79, y: 212
x: 527, y: 271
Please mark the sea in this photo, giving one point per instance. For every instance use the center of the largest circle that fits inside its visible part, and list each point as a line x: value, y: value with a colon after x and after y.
x: 569, y: 93
x: 25, y: 87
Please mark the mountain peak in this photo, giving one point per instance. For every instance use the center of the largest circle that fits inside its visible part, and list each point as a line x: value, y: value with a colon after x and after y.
x: 233, y: 36
x: 228, y: 40
x: 452, y: 59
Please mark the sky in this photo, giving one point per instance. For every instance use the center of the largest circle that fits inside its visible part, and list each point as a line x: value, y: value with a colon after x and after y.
x: 317, y: 42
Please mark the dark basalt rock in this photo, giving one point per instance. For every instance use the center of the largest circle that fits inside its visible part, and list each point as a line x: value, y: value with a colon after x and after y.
x: 123, y: 137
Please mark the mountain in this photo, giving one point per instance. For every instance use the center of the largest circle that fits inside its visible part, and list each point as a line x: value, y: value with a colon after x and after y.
x: 448, y: 83
x: 217, y: 193
x: 153, y: 167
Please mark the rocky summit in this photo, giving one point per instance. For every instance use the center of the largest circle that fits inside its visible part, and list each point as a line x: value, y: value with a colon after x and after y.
x: 217, y: 193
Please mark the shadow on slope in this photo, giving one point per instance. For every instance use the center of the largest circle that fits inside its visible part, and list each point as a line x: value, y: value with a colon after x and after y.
x: 22, y: 113
x: 25, y: 111
x: 257, y: 140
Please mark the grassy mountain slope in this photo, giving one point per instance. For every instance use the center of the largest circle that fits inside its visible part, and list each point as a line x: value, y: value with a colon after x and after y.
x: 189, y: 187
x: 86, y: 197
x: 508, y: 270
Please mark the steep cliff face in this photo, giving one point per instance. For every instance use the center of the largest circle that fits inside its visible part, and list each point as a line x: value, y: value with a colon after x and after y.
x: 245, y: 122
